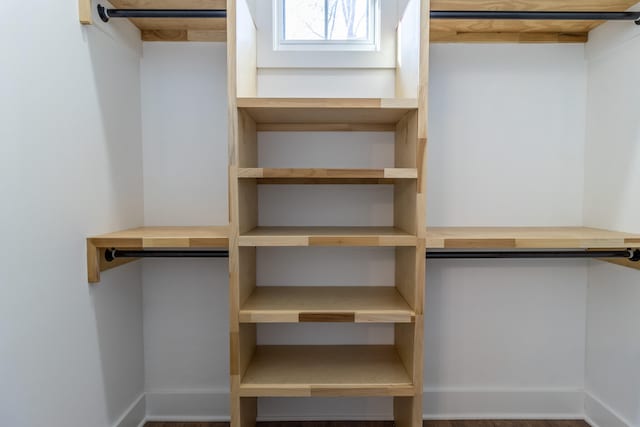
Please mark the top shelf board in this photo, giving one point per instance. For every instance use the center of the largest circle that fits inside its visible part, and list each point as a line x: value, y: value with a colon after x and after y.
x: 175, y: 29
x: 447, y: 31
x: 519, y: 31
x: 528, y: 238
x: 150, y: 238
x: 164, y: 237
x: 326, y: 113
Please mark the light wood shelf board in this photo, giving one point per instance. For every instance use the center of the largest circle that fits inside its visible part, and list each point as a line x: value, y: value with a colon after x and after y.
x: 325, y: 112
x: 326, y: 127
x: 150, y: 238
x: 528, y: 238
x: 183, y: 35
x: 349, y: 304
x: 164, y: 237
x: 520, y: 31
x: 177, y: 29
x: 327, y: 176
x: 326, y: 371
x: 326, y: 236
x: 507, y: 37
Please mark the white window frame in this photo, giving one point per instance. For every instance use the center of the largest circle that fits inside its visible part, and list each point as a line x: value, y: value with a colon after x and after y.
x: 371, y: 44
x: 269, y: 57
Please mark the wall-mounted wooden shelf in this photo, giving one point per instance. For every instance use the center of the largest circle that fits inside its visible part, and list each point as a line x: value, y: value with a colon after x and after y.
x: 327, y: 176
x: 519, y: 31
x: 442, y: 31
x: 437, y: 238
x: 326, y: 236
x: 349, y: 304
x: 150, y: 238
x: 528, y: 238
x: 326, y: 114
x: 326, y: 371
x: 175, y: 29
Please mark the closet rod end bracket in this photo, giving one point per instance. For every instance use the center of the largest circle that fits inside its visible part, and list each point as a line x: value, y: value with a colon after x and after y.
x: 109, y: 255
x: 103, y: 13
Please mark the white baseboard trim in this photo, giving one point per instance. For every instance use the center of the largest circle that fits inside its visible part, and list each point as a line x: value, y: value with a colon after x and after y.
x: 135, y: 414
x: 462, y: 403
x: 598, y: 414
x: 188, y: 405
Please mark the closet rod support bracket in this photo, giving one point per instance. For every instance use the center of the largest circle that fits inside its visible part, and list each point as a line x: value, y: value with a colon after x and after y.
x: 103, y: 13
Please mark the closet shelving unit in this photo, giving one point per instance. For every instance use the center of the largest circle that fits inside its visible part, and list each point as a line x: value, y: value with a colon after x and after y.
x: 345, y: 370
x: 295, y: 371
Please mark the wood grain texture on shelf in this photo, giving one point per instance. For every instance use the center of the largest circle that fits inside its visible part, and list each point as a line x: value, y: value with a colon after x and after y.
x: 326, y: 236
x: 519, y: 31
x: 350, y: 370
x: 528, y: 238
x: 164, y: 237
x: 351, y: 304
x: 327, y: 176
x: 324, y: 112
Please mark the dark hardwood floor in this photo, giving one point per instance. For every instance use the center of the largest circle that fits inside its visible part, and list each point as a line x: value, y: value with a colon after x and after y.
x: 465, y: 423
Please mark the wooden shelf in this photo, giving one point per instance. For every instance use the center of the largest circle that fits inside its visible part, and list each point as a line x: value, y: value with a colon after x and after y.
x: 326, y: 114
x: 150, y: 238
x: 174, y: 29
x: 326, y: 371
x: 327, y: 236
x: 327, y: 176
x: 350, y: 304
x: 519, y: 31
x: 528, y: 238
x: 449, y: 31
x: 165, y: 237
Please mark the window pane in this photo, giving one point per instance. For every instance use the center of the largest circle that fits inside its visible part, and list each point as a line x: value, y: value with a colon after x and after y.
x: 304, y: 19
x: 348, y: 20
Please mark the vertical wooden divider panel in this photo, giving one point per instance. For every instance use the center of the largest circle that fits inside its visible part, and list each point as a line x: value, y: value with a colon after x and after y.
x: 409, y: 200
x: 241, y: 70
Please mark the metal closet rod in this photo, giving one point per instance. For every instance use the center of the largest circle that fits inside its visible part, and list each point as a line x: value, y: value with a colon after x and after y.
x: 525, y: 15
x: 105, y: 14
x: 629, y: 254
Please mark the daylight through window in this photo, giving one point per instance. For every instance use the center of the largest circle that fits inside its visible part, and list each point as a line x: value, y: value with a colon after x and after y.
x: 328, y: 21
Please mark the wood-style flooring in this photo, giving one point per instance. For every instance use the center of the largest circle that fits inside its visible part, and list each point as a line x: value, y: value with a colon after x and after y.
x: 465, y: 423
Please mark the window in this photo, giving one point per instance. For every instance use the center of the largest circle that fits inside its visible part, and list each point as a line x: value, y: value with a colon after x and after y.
x: 327, y: 24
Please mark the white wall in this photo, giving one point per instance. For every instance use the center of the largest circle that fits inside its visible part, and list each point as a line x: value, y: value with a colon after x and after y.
x: 503, y: 338
x: 70, y: 166
x: 611, y: 183
x: 506, y: 135
x: 184, y: 112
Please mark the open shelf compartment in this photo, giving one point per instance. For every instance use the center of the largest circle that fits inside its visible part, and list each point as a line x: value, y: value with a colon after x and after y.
x: 326, y: 114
